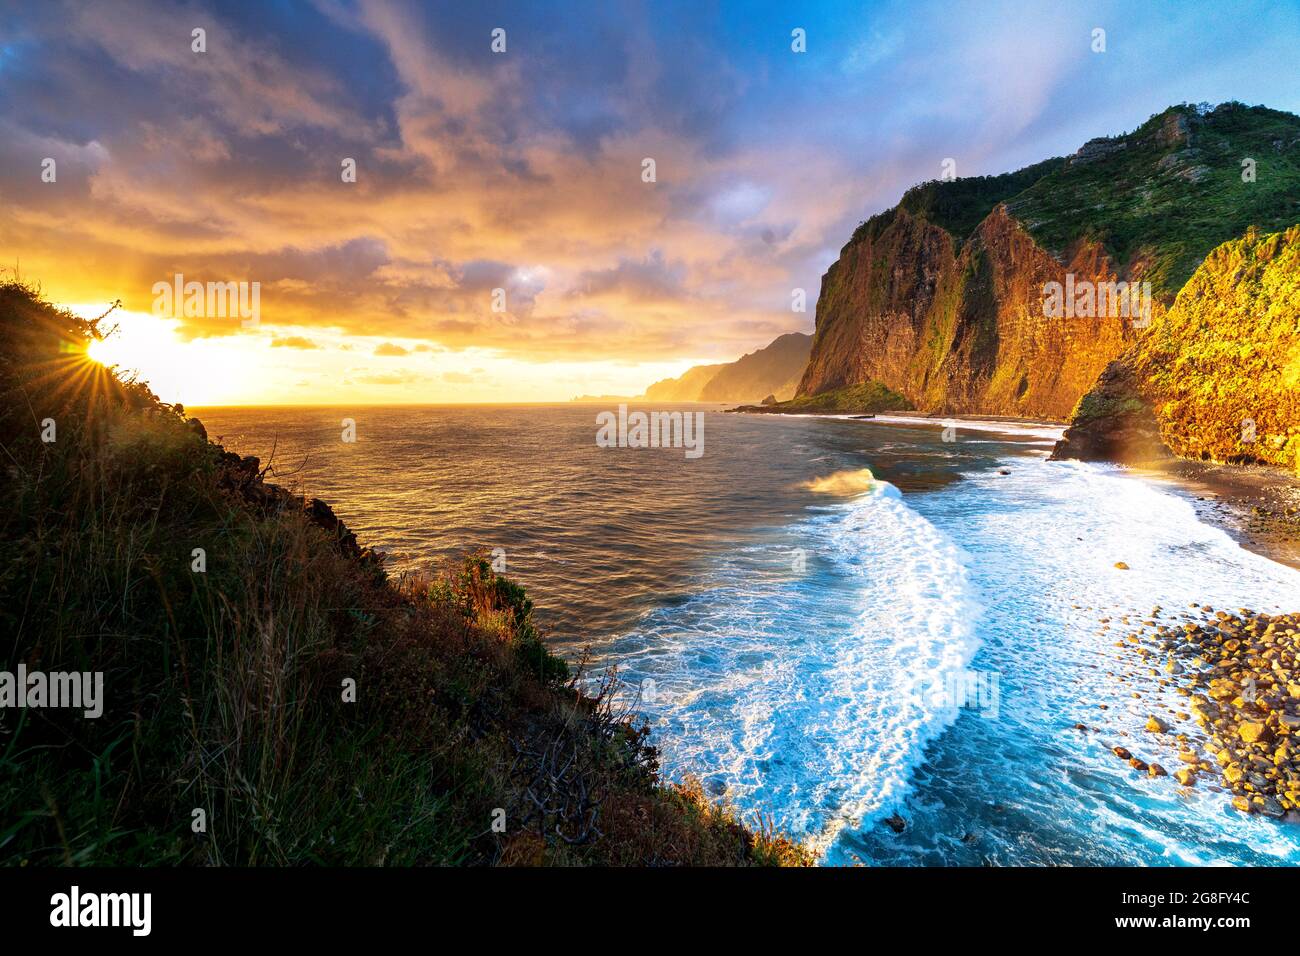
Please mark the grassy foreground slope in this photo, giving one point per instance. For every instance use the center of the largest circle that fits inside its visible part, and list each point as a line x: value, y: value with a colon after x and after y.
x: 228, y: 735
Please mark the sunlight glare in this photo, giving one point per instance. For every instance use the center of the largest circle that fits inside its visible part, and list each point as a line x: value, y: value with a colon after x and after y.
x: 197, y: 372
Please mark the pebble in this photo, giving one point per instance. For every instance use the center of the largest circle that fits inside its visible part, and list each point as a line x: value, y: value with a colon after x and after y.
x: 1241, y: 674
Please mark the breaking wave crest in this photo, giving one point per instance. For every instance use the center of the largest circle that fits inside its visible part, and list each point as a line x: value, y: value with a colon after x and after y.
x: 789, y: 681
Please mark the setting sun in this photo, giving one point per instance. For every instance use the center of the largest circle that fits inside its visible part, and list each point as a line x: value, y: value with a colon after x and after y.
x: 197, y: 372
x: 292, y: 365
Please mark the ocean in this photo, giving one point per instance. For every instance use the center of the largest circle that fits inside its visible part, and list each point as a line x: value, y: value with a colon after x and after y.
x: 878, y: 635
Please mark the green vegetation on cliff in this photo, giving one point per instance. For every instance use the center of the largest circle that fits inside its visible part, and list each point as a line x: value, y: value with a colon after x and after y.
x: 229, y: 732
x: 1166, y: 193
x: 959, y: 205
x: 1218, y: 375
x: 941, y: 298
x: 1170, y: 191
x: 866, y: 398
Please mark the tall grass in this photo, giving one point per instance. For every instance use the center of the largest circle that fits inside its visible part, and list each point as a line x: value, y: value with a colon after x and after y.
x: 225, y: 688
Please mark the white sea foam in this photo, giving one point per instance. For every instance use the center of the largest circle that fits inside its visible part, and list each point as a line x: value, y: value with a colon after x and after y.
x: 799, y: 692
x: 1027, y: 429
x: 1044, y: 541
x: 794, y: 690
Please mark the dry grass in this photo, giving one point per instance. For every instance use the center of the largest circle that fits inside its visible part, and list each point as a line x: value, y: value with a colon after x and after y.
x: 225, y: 688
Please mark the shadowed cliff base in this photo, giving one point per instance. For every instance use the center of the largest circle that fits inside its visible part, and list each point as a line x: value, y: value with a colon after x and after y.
x: 1113, y: 423
x: 270, y: 696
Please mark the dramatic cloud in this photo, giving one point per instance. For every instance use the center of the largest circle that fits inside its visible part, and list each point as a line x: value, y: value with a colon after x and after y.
x: 499, y: 203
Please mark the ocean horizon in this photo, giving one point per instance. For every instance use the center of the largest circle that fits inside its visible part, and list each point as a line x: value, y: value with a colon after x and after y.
x: 848, y: 624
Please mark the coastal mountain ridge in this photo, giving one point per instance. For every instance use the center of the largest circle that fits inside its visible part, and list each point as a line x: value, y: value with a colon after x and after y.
x: 941, y: 299
x: 774, y: 370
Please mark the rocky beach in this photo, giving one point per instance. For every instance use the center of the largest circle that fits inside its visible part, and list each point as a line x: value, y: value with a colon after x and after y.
x: 1223, y: 685
x: 1220, y: 687
x: 1224, y: 695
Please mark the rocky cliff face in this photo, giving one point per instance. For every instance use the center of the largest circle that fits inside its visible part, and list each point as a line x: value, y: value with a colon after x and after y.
x: 1218, y: 376
x: 943, y: 297
x: 961, y: 331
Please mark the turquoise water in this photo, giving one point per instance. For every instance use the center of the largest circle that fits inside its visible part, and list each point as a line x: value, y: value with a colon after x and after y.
x: 803, y: 645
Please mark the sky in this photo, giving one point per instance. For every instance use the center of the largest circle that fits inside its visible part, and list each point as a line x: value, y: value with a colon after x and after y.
x: 501, y: 242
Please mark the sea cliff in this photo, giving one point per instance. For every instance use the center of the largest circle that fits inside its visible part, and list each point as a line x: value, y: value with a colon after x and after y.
x: 941, y: 299
x: 1217, y: 378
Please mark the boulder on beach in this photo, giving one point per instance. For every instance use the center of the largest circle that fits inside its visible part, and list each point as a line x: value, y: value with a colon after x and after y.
x: 1252, y: 732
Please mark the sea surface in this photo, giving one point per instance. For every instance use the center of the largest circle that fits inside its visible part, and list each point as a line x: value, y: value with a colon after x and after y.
x: 836, y: 622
